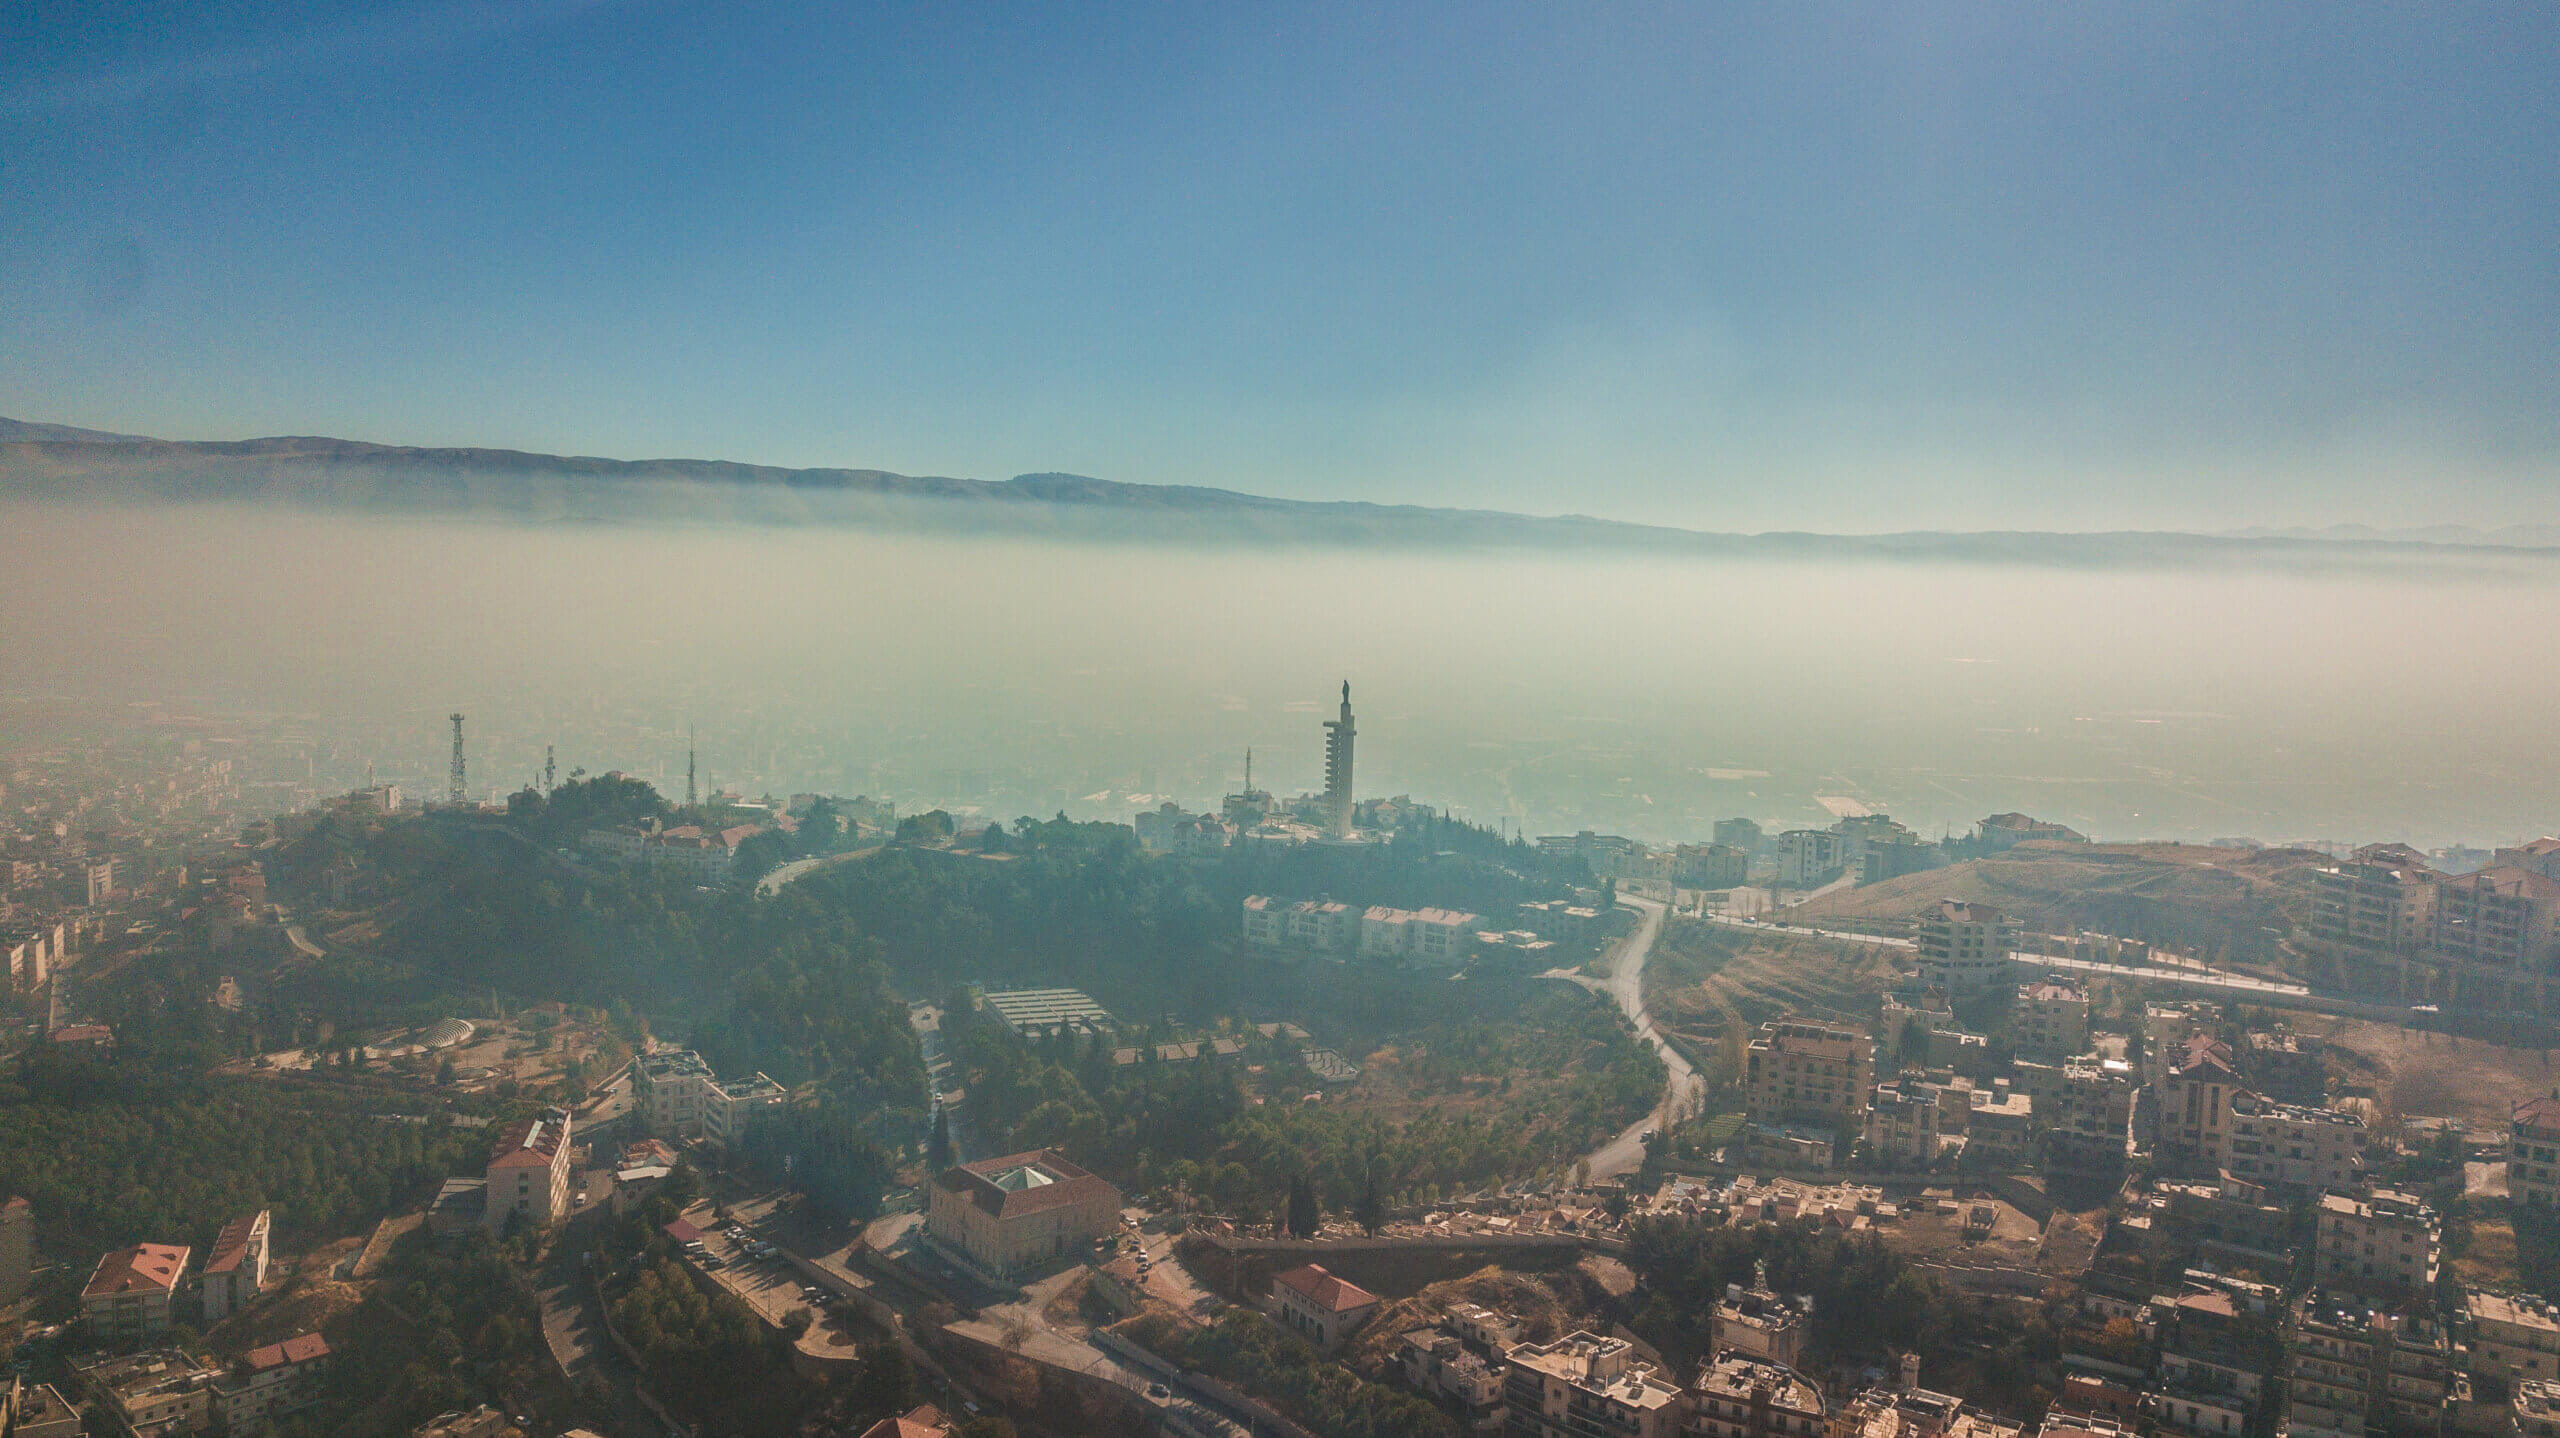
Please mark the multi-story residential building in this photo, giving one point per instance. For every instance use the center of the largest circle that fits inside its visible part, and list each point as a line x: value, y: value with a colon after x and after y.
x: 1487, y: 1330
x: 1012, y: 1213
x: 1319, y: 1307
x: 2003, y: 832
x: 2211, y: 1373
x: 17, y: 1248
x: 2195, y: 1104
x: 2001, y: 1129
x: 2533, y: 1152
x: 2542, y: 856
x: 129, y: 1293
x: 2496, y: 937
x: 1902, y: 1125
x: 2328, y: 1368
x: 1806, y: 857
x: 1439, y: 937
x: 1266, y: 921
x: 2086, y: 1116
x: 1710, y: 866
x: 235, y: 1268
x: 1818, y: 1072
x: 2515, y: 1337
x: 1964, y: 948
x: 2387, y: 1244
x: 1737, y: 1395
x: 730, y: 1105
x: 2050, y: 1020
x: 1440, y: 1362
x: 38, y: 1410
x: 157, y: 1393
x: 528, y: 1173
x: 1757, y: 1323
x: 271, y: 1382
x: 2535, y: 1409
x: 1583, y: 1386
x: 2372, y: 912
x: 667, y: 1091
x: 2166, y: 1028
x: 2292, y: 1145
x: 2283, y: 1066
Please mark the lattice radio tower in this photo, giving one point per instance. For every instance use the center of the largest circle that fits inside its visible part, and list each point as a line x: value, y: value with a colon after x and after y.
x: 455, y: 788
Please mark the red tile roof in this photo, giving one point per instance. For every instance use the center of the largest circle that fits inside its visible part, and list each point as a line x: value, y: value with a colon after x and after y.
x: 143, y: 1268
x: 1333, y: 1295
x: 2542, y: 1114
x: 233, y: 1244
x: 925, y: 1422
x: 529, y: 1143
x: 300, y: 1348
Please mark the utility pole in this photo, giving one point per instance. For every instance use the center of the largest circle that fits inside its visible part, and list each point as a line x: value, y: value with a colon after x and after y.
x: 690, y: 798
x: 455, y: 788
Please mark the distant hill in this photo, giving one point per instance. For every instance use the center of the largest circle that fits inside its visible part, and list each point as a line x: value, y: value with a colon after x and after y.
x: 56, y: 462
x: 2221, y: 901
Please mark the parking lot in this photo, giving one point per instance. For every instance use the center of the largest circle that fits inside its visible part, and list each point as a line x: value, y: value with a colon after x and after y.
x: 738, y: 1255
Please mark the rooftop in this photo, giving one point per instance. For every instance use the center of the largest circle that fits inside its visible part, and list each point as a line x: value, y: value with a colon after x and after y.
x: 1333, y: 1295
x: 232, y: 1246
x: 143, y: 1268
x: 300, y: 1348
x: 1737, y: 1375
x: 1024, y: 1183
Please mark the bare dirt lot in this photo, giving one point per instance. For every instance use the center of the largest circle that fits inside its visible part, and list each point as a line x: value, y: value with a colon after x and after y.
x: 1700, y: 973
x: 2417, y: 1073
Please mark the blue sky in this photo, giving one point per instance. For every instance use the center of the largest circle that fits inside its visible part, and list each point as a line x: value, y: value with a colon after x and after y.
x: 1727, y: 266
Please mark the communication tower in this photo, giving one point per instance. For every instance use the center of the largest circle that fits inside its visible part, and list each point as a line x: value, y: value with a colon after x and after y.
x: 455, y: 788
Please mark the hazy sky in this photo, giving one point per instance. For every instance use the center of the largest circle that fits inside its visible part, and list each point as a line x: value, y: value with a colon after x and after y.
x: 1957, y: 265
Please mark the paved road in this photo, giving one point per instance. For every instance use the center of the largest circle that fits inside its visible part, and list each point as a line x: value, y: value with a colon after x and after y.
x: 943, y: 1076
x: 1625, y: 1153
x: 573, y: 1327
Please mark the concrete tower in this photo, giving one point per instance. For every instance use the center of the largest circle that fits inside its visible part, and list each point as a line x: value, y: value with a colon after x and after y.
x: 1337, y: 767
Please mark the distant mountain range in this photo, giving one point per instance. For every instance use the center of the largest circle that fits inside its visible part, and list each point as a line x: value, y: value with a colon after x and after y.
x: 59, y: 462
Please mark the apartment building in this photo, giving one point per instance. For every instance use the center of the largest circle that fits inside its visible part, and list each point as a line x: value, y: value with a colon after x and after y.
x: 1902, y: 1125
x: 1757, y: 1323
x: 2195, y: 1103
x: 1319, y: 1307
x: 38, y: 1410
x: 1710, y: 866
x: 2496, y: 936
x: 2211, y: 1375
x: 1800, y: 1069
x: 2516, y: 1337
x: 129, y: 1293
x: 1015, y: 1212
x: 1964, y: 948
x: 528, y: 1173
x: 235, y: 1268
x: 2387, y: 1244
x: 2377, y: 904
x: 2293, y: 1145
x: 2003, y: 832
x: 2328, y: 1367
x: 1439, y: 1362
x: 2166, y: 1028
x: 1806, y: 857
x: 1582, y: 1385
x: 1439, y: 937
x: 676, y: 1094
x: 272, y: 1382
x: 2542, y: 856
x: 1737, y: 1395
x: 2050, y: 1020
x: 157, y: 1393
x: 2283, y: 1066
x: 2086, y: 1117
x: 2533, y: 1152
x: 2534, y: 1411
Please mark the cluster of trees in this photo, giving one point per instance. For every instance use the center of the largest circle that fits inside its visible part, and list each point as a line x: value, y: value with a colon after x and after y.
x: 439, y: 1331
x: 108, y: 1157
x: 823, y: 1151
x: 1250, y: 1352
x: 709, y: 1358
x: 1568, y: 1073
x: 1868, y: 1302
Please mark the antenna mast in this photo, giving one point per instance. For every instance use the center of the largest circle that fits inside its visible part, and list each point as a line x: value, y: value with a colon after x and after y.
x: 689, y: 797
x: 455, y: 788
x: 550, y: 772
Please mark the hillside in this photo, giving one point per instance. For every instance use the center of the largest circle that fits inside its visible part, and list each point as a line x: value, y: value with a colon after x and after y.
x: 2233, y: 903
x: 56, y: 462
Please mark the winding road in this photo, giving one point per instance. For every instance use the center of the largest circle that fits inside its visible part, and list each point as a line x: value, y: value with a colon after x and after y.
x: 1625, y: 983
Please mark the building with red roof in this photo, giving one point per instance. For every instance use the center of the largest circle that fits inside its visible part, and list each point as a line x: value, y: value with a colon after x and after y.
x: 267, y: 1383
x: 129, y: 1292
x: 1019, y: 1211
x: 924, y: 1422
x: 528, y: 1173
x: 1318, y: 1307
x: 236, y: 1267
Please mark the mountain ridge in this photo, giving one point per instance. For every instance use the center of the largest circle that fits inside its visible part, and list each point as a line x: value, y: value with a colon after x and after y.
x: 61, y: 462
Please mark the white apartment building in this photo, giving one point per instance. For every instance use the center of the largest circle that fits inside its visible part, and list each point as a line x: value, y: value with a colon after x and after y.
x: 2051, y: 1020
x: 1429, y: 936
x: 2533, y: 1152
x: 2312, y: 1149
x: 1964, y: 948
x: 2388, y: 1243
x: 236, y: 1267
x: 1806, y: 857
x: 678, y: 1095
